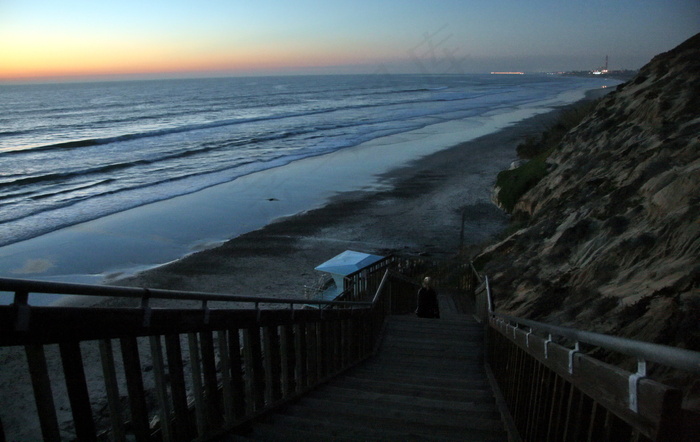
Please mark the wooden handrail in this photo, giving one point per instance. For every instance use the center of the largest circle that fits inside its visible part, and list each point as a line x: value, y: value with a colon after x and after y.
x: 22, y: 287
x: 240, y: 362
x: 558, y: 393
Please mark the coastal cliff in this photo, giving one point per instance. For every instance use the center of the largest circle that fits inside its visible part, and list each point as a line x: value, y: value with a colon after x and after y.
x: 609, y: 239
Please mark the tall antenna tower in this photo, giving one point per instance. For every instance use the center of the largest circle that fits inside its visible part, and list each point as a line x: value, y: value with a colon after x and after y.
x: 606, y: 63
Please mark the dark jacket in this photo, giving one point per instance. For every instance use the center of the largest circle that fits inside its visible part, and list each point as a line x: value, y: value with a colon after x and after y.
x: 427, y: 303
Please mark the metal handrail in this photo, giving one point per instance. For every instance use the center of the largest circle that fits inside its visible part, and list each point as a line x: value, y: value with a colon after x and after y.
x: 26, y: 286
x: 679, y: 358
x: 402, y: 277
x: 380, y: 289
x: 471, y: 265
x: 670, y: 356
x: 489, y: 299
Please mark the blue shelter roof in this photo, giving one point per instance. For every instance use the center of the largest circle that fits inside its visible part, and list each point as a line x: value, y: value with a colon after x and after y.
x: 348, y: 262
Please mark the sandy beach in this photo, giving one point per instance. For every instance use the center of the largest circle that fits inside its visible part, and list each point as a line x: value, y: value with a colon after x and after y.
x: 419, y: 212
x: 415, y: 210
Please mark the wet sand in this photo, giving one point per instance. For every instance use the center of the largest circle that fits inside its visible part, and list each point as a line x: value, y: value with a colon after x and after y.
x: 416, y: 209
x: 420, y: 213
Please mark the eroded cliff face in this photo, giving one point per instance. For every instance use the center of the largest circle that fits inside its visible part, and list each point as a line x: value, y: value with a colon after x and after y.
x: 612, y: 236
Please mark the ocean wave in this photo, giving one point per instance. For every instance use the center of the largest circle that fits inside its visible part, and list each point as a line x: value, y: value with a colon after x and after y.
x: 91, y: 142
x: 68, y: 190
x: 13, y: 133
x: 123, y: 204
x: 422, y: 89
x: 227, y: 136
x: 62, y: 176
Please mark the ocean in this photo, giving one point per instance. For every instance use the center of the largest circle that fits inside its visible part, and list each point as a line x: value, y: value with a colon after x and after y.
x: 74, y: 152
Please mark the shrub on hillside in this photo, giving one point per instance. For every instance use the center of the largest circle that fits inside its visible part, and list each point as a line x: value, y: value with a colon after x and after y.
x: 552, y: 136
x: 515, y: 182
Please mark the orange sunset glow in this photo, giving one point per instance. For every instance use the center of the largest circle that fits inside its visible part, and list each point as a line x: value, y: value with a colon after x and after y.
x: 88, y: 59
x: 48, y: 39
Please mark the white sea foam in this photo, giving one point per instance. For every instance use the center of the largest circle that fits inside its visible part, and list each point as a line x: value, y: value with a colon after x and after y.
x: 154, y: 141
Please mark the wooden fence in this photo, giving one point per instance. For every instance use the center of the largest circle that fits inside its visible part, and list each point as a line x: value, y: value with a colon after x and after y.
x: 556, y: 392
x: 209, y: 370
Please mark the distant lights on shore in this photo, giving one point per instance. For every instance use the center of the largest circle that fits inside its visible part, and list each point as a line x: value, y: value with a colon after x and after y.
x: 508, y: 73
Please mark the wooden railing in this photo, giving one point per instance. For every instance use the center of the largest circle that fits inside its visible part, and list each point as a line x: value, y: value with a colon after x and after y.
x: 358, y: 285
x: 556, y: 392
x: 187, y: 373
x: 453, y: 273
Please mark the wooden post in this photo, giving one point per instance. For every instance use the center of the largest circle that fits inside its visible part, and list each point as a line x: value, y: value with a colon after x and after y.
x: 327, y: 337
x: 197, y: 389
x: 319, y: 350
x: 43, y: 397
x: 542, y: 419
x: 211, y: 383
x: 267, y: 364
x: 312, y: 373
x: 357, y: 338
x: 161, y: 388
x: 112, y: 389
x: 345, y: 346
x: 183, y: 428
x: 337, y: 350
x: 594, y: 424
x: 226, y: 385
x: 581, y: 415
x: 248, y: 370
x: 570, y: 404
x: 78, y: 395
x: 284, y: 362
x: 292, y: 362
x: 258, y: 371
x: 520, y: 379
x: 321, y: 335
x: 671, y: 415
x: 134, y: 384
x: 532, y: 402
x: 349, y: 340
x: 300, y: 352
x: 237, y: 382
x: 275, y: 363
x: 558, y: 414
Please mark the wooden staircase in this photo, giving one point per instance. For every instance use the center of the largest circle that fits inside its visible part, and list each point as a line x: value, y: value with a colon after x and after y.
x: 427, y: 382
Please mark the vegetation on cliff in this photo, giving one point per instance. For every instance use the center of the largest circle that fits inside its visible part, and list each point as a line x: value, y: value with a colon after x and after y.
x: 514, y: 183
x: 609, y: 235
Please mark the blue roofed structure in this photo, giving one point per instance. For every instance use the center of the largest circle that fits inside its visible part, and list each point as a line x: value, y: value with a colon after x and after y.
x: 342, y: 265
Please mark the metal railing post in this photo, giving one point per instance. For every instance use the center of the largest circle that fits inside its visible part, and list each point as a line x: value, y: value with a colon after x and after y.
x: 634, y: 383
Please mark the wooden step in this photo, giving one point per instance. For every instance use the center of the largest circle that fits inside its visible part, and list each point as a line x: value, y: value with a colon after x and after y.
x: 414, y: 390
x: 360, y: 397
x: 327, y: 428
x: 399, y: 404
x: 427, y: 382
x: 393, y: 419
x: 409, y: 377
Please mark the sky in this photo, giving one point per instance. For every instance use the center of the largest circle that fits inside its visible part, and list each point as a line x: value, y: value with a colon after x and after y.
x: 70, y: 39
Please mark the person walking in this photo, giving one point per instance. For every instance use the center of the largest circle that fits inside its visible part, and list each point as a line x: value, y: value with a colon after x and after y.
x: 427, y: 301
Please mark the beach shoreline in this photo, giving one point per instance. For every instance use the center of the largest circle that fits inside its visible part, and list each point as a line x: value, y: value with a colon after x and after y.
x: 417, y: 209
x: 153, y: 236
